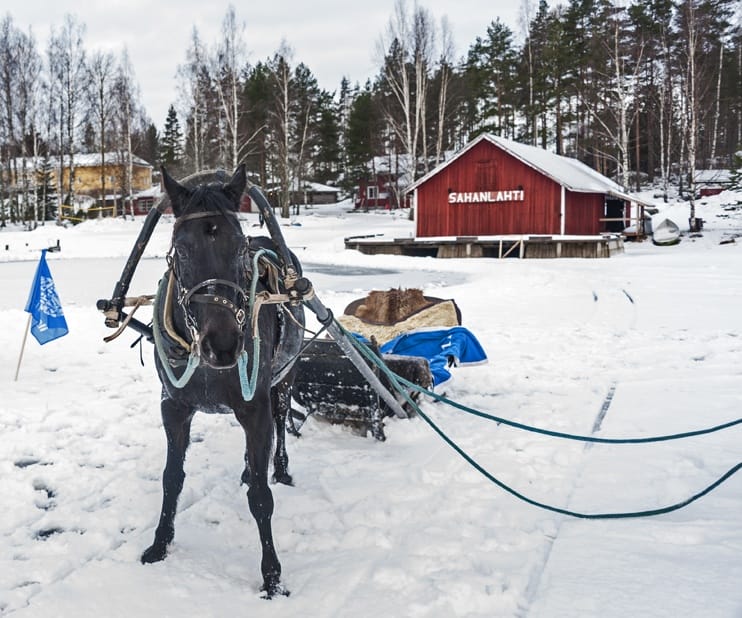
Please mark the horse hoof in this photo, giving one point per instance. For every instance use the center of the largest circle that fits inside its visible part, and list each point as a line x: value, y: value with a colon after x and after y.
x: 153, y: 554
x: 284, y: 479
x: 271, y: 590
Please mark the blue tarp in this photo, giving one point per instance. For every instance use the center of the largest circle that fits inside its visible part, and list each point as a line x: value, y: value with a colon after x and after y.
x: 438, y: 346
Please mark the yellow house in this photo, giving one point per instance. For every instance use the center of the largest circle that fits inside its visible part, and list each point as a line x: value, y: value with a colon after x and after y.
x: 87, y: 175
x: 88, y: 169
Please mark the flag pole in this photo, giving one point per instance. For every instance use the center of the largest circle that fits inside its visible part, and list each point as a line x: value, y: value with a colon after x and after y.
x: 23, y: 347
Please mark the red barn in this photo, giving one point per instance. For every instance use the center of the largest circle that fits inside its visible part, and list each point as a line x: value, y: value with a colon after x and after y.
x: 494, y: 186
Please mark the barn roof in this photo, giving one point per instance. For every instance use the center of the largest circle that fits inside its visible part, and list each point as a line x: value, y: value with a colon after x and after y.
x: 570, y: 173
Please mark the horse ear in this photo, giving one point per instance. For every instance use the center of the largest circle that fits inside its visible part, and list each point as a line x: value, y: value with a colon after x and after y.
x: 236, y: 186
x: 177, y: 193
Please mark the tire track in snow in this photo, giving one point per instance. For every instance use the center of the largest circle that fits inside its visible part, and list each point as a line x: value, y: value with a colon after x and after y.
x: 534, y: 581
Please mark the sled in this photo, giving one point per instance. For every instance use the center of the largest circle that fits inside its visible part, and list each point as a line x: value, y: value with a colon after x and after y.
x: 328, y: 384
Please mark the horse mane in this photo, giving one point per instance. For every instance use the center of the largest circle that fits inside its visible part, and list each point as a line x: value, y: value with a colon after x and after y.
x: 204, y: 195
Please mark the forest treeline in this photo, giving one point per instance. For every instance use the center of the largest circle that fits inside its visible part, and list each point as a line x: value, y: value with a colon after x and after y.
x: 643, y: 91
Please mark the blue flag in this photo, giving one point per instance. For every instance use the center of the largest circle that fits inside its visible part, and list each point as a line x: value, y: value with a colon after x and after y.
x: 47, y: 319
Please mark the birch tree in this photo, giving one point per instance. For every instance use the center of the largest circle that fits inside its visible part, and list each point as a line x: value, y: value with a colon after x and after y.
x: 67, y: 61
x: 445, y: 68
x: 395, y: 50
x: 281, y: 76
x: 688, y: 17
x: 622, y: 84
x: 526, y: 14
x: 127, y: 116
x: 423, y: 33
x: 666, y: 116
x: 9, y: 67
x: 101, y: 77
x: 228, y: 62
x: 194, y: 81
x: 408, y: 51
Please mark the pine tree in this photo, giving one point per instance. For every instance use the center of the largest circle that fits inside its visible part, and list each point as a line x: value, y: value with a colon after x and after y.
x: 258, y: 97
x: 362, y: 138
x: 326, y: 161
x: 172, y: 143
x: 149, y: 144
x: 490, y: 71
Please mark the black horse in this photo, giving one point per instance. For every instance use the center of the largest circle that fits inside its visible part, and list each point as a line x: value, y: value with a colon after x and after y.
x: 225, y: 341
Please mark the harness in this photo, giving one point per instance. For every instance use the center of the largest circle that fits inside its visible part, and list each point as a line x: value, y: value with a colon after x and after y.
x: 174, y: 351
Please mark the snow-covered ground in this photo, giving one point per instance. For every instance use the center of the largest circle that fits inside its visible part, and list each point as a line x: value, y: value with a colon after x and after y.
x: 404, y: 527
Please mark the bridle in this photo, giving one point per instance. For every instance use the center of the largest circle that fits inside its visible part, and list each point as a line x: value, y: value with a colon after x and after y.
x: 245, y: 310
x: 185, y: 296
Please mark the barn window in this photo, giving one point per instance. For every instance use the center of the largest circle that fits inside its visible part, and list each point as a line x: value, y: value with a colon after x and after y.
x: 372, y: 192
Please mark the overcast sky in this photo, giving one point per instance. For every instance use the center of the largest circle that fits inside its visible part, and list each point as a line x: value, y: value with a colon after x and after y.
x: 334, y: 38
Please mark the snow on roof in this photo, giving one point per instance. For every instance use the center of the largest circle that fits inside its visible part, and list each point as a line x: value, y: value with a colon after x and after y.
x: 573, y: 174
x: 90, y: 159
x: 93, y: 159
x: 316, y: 187
x: 570, y: 173
x: 153, y: 191
x: 400, y: 165
x: 713, y: 176
x: 320, y: 188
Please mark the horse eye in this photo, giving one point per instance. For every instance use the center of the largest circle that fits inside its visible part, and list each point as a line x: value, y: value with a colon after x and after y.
x: 211, y: 229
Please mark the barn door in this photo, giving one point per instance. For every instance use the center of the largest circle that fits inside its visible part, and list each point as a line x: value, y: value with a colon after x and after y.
x: 615, y: 215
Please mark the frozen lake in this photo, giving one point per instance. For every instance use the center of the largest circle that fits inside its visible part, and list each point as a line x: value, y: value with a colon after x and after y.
x: 82, y: 281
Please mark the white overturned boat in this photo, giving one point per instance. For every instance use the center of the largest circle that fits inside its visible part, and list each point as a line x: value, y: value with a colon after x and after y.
x: 666, y: 233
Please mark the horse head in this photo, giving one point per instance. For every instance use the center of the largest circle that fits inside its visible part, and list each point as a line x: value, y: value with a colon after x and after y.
x: 208, y: 259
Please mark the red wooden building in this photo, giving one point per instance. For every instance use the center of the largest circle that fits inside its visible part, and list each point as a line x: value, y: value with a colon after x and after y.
x: 377, y: 191
x: 384, y: 184
x: 494, y: 186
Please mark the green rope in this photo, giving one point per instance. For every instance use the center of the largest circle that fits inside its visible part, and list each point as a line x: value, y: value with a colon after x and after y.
x: 248, y: 386
x: 397, y: 382
x: 555, y: 509
x: 568, y: 436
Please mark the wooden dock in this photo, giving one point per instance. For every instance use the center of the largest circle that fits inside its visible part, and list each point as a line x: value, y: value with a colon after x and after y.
x: 524, y: 247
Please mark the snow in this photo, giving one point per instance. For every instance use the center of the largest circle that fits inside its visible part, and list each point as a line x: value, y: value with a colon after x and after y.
x: 567, y: 171
x: 404, y: 527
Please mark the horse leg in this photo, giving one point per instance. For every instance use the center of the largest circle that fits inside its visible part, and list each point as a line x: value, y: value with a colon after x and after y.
x: 258, y: 429
x: 177, y: 424
x: 281, y: 404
